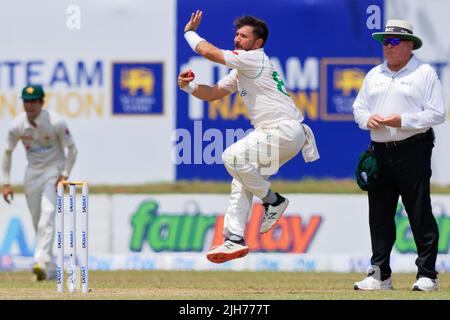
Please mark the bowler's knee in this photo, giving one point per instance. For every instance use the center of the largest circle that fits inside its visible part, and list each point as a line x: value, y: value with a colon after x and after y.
x: 228, y: 157
x: 235, y: 160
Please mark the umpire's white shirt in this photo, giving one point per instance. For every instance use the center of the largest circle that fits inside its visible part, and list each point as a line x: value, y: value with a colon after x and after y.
x: 414, y: 92
x: 260, y: 87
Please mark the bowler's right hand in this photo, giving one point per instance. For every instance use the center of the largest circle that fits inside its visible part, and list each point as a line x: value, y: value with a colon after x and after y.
x: 184, y: 78
x: 8, y: 191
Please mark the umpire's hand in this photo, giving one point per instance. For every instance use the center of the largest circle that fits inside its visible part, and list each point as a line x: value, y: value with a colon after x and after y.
x: 375, y: 121
x: 394, y: 121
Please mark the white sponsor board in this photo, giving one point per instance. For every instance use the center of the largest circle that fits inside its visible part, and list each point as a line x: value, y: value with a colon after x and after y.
x: 75, y: 67
x: 252, y: 262
x: 431, y: 24
x: 319, y: 232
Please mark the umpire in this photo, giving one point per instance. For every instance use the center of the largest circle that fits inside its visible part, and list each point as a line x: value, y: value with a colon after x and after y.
x: 399, y: 102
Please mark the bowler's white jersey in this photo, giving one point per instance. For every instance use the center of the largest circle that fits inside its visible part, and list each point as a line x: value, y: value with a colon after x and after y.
x: 260, y: 87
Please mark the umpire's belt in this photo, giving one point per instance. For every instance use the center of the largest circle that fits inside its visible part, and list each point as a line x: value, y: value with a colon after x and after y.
x: 393, y: 144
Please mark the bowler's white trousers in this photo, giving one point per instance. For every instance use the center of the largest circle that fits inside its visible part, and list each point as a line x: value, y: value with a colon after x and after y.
x: 40, y: 192
x: 251, y: 161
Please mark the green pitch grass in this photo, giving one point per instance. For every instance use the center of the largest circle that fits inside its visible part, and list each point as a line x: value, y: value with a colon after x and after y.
x: 219, y: 285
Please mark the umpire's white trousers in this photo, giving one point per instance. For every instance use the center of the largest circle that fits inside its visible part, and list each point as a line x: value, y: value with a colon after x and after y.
x: 251, y: 161
x: 40, y: 193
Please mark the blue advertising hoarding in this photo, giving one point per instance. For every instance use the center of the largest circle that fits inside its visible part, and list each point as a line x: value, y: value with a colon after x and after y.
x: 322, y: 50
x: 137, y: 88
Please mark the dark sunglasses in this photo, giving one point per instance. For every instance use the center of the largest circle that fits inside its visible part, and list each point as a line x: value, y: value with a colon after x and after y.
x: 391, y: 41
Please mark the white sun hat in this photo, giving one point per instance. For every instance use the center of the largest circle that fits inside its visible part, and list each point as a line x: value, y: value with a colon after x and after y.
x: 401, y: 28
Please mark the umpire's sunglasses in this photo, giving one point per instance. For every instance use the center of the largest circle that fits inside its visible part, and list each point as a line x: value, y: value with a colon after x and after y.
x: 391, y: 41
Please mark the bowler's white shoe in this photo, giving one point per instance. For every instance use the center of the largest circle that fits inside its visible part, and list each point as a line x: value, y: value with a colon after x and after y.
x: 425, y: 284
x: 227, y: 251
x: 373, y: 281
x: 272, y: 213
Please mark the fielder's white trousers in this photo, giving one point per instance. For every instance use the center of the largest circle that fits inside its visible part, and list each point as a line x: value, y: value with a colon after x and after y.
x: 40, y: 193
x: 251, y: 161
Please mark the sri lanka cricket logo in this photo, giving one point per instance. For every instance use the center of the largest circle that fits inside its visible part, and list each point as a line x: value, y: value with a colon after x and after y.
x: 137, y: 88
x: 135, y: 79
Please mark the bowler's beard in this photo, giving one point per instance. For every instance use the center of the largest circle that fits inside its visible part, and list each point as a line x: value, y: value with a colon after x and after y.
x: 239, y: 47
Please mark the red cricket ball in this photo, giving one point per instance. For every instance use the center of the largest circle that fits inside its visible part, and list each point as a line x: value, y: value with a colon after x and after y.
x: 191, y: 74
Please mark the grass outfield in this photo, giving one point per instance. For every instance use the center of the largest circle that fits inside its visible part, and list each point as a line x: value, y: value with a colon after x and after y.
x: 219, y: 285
x: 342, y: 186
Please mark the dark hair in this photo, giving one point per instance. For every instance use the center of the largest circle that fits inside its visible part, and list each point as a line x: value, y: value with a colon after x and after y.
x: 260, y: 29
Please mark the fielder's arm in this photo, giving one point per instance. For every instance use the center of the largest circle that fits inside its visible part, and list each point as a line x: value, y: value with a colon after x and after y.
x: 6, y: 168
x: 72, y: 153
x: 13, y: 138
